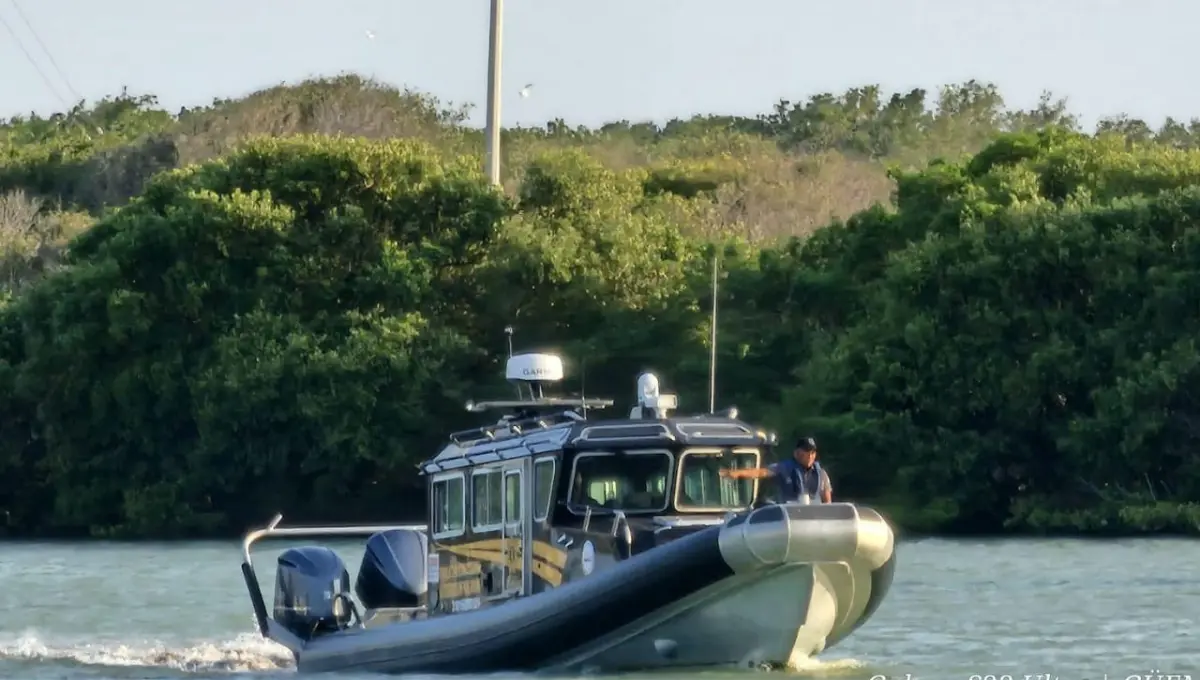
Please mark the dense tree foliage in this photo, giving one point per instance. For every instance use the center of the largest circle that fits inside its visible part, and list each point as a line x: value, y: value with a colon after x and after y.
x: 284, y: 301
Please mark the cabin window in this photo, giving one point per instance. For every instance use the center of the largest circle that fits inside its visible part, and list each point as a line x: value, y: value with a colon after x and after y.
x: 512, y: 497
x: 701, y: 486
x: 449, y: 506
x: 543, y: 483
x: 487, y: 498
x: 635, y: 481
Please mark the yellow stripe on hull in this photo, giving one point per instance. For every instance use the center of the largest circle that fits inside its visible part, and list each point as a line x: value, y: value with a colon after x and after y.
x: 490, y: 551
x: 541, y: 549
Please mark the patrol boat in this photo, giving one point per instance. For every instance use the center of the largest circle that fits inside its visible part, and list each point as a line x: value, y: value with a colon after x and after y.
x: 562, y: 543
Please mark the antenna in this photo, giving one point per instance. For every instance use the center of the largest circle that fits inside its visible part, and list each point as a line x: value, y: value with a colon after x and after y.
x: 508, y: 330
x: 712, y: 341
x: 583, y: 385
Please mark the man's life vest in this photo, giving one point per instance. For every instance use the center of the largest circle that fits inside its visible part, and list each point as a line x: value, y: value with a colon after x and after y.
x: 795, y: 481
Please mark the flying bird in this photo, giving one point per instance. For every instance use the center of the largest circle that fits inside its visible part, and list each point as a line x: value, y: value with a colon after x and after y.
x: 525, y: 91
x: 370, y: 35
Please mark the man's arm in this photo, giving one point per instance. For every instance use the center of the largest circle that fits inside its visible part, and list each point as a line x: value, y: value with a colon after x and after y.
x: 826, y: 487
x: 750, y: 473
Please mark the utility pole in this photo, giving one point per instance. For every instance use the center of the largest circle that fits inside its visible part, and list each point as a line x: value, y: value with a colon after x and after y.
x: 712, y: 342
x: 493, y: 95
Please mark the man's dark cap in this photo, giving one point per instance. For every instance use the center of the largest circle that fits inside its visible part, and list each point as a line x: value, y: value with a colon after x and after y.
x: 806, y: 444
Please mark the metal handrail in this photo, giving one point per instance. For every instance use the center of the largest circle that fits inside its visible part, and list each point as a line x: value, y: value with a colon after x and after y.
x: 272, y: 530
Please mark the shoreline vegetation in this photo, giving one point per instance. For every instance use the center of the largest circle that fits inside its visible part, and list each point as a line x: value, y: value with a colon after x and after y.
x: 987, y: 317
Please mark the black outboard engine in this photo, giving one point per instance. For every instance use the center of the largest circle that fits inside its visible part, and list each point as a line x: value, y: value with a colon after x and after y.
x: 394, y: 570
x: 312, y: 592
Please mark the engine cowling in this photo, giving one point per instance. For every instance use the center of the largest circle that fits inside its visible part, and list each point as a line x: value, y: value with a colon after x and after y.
x: 394, y: 570
x: 312, y: 592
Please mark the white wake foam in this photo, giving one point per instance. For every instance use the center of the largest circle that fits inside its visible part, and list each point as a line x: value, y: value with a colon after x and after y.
x: 247, y: 652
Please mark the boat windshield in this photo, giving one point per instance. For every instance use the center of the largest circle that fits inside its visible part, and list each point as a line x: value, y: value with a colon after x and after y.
x: 635, y: 481
x: 701, y: 486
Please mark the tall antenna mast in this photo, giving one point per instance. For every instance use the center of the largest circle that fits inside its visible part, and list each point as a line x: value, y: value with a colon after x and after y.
x: 583, y: 386
x: 712, y: 342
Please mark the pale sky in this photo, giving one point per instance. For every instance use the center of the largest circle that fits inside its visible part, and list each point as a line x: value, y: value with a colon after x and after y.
x: 613, y: 59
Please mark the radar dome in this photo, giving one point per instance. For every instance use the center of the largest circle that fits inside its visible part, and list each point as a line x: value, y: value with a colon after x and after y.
x: 534, y: 368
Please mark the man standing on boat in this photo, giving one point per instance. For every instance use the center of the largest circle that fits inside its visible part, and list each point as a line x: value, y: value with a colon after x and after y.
x: 800, y: 475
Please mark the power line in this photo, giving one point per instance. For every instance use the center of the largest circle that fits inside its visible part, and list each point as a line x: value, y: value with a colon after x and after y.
x: 45, y: 50
x: 33, y: 62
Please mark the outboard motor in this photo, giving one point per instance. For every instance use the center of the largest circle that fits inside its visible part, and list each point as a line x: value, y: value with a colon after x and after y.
x: 393, y: 572
x: 312, y: 592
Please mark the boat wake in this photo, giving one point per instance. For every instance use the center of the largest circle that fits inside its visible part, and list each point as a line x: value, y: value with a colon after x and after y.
x: 245, y: 653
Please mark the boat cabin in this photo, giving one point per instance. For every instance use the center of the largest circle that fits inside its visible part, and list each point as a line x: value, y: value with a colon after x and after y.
x: 547, y: 494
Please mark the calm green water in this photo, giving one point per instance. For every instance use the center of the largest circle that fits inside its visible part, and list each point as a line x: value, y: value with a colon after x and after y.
x: 1066, y: 609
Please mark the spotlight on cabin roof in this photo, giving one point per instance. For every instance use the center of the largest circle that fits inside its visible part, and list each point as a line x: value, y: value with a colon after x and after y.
x: 534, y: 368
x: 650, y: 401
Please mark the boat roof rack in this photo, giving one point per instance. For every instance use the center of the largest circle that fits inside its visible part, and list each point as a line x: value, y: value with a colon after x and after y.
x: 531, y: 410
x: 514, y: 425
x: 543, y: 403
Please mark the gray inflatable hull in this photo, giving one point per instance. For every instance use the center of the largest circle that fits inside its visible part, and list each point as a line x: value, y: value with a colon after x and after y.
x: 773, y: 587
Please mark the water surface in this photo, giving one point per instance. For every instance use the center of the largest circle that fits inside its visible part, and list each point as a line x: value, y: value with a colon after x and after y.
x: 1060, y: 608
